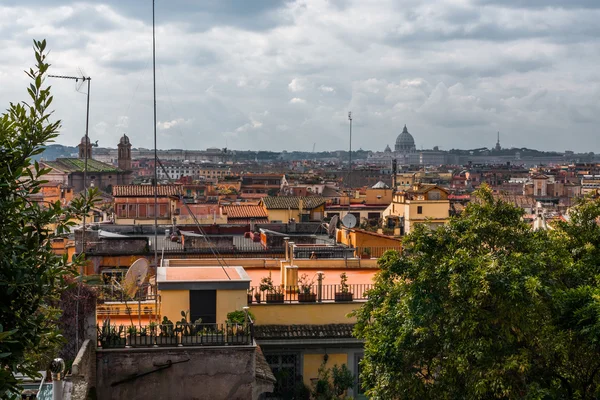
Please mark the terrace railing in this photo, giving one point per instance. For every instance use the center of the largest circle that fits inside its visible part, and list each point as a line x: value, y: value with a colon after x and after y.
x: 113, y: 293
x: 374, y: 252
x: 314, y: 294
x: 174, y: 335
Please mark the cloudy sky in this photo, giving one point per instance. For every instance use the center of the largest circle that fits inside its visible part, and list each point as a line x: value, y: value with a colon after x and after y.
x: 278, y: 75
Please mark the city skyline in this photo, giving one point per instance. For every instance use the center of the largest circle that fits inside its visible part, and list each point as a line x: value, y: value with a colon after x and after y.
x: 282, y: 75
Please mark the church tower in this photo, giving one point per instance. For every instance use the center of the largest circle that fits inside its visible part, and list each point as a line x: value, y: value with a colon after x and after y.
x: 85, y: 147
x: 498, y: 147
x: 124, y: 153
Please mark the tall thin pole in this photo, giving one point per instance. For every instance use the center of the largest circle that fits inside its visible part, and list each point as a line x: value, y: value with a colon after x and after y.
x: 350, y: 161
x: 86, y: 140
x: 85, y: 162
x: 155, y: 150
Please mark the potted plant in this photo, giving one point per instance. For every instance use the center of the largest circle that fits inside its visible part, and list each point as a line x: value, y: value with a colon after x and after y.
x: 250, y: 295
x: 366, y: 254
x: 238, y: 327
x: 210, y: 336
x: 110, y: 337
x: 305, y: 293
x: 274, y: 294
x: 257, y: 296
x: 131, y: 334
x: 167, y: 336
x: 344, y: 294
x: 188, y: 330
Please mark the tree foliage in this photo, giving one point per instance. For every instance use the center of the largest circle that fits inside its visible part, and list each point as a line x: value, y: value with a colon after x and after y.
x: 31, y: 275
x: 485, y: 307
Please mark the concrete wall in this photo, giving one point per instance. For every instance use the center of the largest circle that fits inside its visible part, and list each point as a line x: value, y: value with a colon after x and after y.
x: 228, y: 301
x: 173, y: 302
x: 303, y: 314
x: 312, y: 362
x: 211, y: 373
x: 83, y: 371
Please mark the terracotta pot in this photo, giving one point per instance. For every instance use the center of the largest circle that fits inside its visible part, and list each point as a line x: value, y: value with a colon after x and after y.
x: 307, y: 297
x: 343, y: 296
x: 275, y: 298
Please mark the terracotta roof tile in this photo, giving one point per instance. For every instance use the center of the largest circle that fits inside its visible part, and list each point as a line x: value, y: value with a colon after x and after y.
x: 243, y: 211
x: 146, y: 190
x: 292, y: 202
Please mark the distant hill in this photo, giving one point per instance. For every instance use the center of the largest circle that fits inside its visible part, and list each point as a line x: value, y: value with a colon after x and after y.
x: 55, y: 151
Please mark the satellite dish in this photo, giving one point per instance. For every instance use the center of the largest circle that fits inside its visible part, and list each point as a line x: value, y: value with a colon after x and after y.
x: 332, y: 225
x: 349, y: 221
x: 135, y: 276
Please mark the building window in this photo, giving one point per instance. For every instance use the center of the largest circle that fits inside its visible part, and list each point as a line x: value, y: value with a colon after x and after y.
x: 286, y: 371
x: 419, y: 209
x: 122, y: 211
x: 132, y: 211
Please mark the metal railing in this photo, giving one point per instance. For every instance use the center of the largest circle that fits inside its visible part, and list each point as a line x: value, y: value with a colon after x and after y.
x: 314, y: 294
x: 374, y: 252
x: 174, y: 335
x: 110, y: 293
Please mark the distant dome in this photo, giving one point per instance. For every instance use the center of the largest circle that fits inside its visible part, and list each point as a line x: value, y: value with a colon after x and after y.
x: 85, y: 140
x: 124, y: 140
x: 405, y: 142
x: 380, y: 185
x: 387, y: 149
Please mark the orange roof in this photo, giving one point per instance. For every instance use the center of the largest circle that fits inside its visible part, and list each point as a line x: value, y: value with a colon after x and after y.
x: 146, y: 190
x: 244, y: 211
x: 200, y: 273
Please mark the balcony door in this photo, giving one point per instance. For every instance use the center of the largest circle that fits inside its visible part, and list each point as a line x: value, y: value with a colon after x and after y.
x: 203, y: 304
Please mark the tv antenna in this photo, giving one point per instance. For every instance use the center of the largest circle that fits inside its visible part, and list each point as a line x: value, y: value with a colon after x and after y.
x: 134, y: 279
x: 349, y: 221
x: 332, y: 225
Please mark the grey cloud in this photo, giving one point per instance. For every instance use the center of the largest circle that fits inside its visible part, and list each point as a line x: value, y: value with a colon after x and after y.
x: 454, y: 74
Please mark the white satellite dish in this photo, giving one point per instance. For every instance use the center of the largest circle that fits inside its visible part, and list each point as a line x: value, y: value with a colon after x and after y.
x: 332, y: 225
x: 135, y: 276
x: 349, y: 221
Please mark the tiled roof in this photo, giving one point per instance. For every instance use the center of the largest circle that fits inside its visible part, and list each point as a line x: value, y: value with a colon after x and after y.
x: 77, y: 165
x: 292, y: 202
x: 329, y: 331
x: 239, y: 211
x: 146, y: 190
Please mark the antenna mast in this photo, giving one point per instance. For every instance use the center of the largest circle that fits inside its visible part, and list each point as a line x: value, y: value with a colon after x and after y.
x: 85, y: 168
x: 155, y: 150
x: 350, y: 161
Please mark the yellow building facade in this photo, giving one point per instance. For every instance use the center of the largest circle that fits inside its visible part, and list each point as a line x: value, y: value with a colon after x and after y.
x: 422, y: 204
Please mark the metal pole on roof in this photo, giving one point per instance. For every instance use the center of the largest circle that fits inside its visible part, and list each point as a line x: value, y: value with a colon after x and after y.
x: 85, y: 167
x: 155, y: 150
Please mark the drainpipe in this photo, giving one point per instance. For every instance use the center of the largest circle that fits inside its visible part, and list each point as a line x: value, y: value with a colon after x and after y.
x: 286, y: 241
x: 291, y: 251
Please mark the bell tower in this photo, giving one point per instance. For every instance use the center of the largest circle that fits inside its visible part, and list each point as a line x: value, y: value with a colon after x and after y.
x: 85, y: 147
x: 124, y: 153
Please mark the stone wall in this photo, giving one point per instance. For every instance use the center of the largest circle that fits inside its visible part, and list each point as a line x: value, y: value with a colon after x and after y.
x: 195, y: 373
x: 83, y: 371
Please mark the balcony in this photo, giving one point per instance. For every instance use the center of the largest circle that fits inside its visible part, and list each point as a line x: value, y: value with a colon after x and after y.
x: 315, y: 294
x: 112, y: 336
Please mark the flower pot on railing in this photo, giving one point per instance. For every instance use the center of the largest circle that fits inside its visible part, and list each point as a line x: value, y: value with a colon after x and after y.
x: 307, y: 297
x: 343, y: 296
x: 249, y: 298
x: 193, y: 340
x: 167, y: 341
x: 113, y: 342
x: 275, y: 298
x: 214, y: 339
x: 140, y: 341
